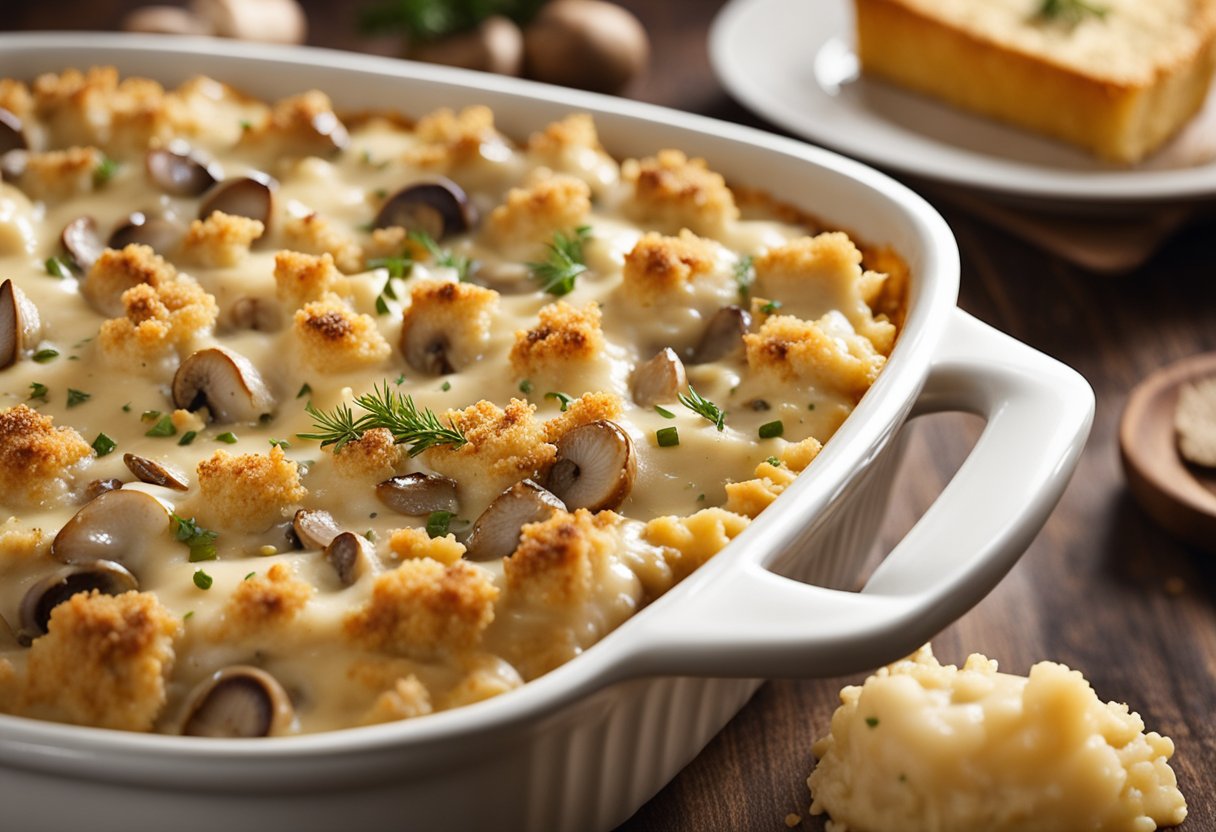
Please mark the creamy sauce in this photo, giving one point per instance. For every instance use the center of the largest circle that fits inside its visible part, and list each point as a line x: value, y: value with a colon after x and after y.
x: 332, y: 682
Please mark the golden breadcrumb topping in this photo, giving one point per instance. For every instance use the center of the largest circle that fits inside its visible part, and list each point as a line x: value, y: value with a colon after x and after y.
x: 826, y: 353
x: 56, y: 175
x: 690, y: 541
x: 19, y: 544
x: 448, y: 139
x: 103, y: 661
x: 331, y: 338
x: 750, y: 497
x: 565, y: 336
x: 411, y: 543
x: 587, y: 408
x: 222, y: 240
x: 263, y: 602
x: 316, y: 234
x: 116, y: 271
x: 571, y: 145
x: 372, y: 457
x: 406, y: 699
x: 504, y: 446
x: 395, y: 241
x: 423, y: 609
x: 557, y: 559
x: 454, y: 318
x: 659, y: 267
x: 16, y: 97
x: 248, y: 492
x: 488, y: 677
x: 533, y: 214
x: 37, y: 459
x: 673, y: 192
x: 158, y: 320
x: 301, y: 125
x: 301, y: 278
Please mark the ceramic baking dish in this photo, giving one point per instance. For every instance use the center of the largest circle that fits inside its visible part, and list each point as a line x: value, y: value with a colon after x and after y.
x: 584, y: 746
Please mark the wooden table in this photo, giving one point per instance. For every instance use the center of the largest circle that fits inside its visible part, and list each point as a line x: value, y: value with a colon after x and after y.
x: 1102, y: 589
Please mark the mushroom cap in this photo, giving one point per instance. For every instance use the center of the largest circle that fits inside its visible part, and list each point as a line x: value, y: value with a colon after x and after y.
x: 496, y: 532
x: 723, y: 335
x: 161, y: 234
x: 11, y: 135
x: 155, y: 473
x: 439, y: 208
x: 242, y: 196
x: 660, y: 379
x: 350, y: 555
x: 595, y: 466
x: 105, y: 576
x: 20, y: 326
x: 418, y: 493
x: 98, y: 487
x: 314, y: 528
x: 81, y: 240
x: 238, y: 701
x: 224, y: 382
x: 494, y: 45
x: 120, y: 525
x: 178, y: 171
x: 426, y: 346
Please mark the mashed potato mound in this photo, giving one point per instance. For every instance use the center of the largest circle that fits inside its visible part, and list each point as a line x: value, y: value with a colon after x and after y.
x: 922, y: 746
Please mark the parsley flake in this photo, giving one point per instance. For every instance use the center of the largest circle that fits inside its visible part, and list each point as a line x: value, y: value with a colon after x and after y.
x: 437, y: 523
x: 163, y: 427
x: 200, y: 541
x: 57, y: 268
x: 202, y: 580
x: 1069, y: 12
x: 39, y: 391
x: 667, y: 437
x: 187, y: 437
x: 44, y: 356
x: 104, y: 171
x: 745, y: 276
x: 76, y: 397
x: 305, y: 390
x: 104, y: 445
x: 770, y: 307
x: 771, y: 430
x: 227, y: 437
x: 872, y: 721
x: 525, y: 386
x: 396, y: 266
x: 564, y: 398
x: 664, y: 412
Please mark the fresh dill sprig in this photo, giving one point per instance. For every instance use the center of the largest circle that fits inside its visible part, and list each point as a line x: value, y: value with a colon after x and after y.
x: 443, y: 256
x: 385, y: 408
x: 1070, y: 12
x: 745, y: 276
x: 703, y: 407
x: 565, y: 263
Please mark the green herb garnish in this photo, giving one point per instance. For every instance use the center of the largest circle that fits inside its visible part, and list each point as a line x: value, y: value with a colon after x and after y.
x: 564, y: 398
x: 104, y: 171
x: 280, y: 443
x: 44, y: 356
x: 525, y: 386
x: 771, y: 430
x: 38, y: 390
x: 745, y: 276
x: 667, y: 437
x: 250, y: 575
x: 770, y: 307
x: 564, y: 264
x: 381, y: 305
x: 202, y: 580
x: 104, y: 445
x: 444, y: 257
x: 200, y: 541
x: 1069, y: 12
x: 76, y: 397
x: 664, y: 412
x: 187, y: 437
x: 386, y: 408
x: 163, y: 427
x: 227, y: 437
x: 396, y: 266
x: 305, y: 390
x: 703, y: 407
x: 872, y: 721
x: 57, y: 268
x: 437, y: 523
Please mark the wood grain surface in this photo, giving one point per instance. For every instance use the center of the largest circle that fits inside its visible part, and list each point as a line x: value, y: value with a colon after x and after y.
x: 1101, y: 589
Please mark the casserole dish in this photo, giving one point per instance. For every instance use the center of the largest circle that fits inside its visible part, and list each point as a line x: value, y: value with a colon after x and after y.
x: 585, y: 745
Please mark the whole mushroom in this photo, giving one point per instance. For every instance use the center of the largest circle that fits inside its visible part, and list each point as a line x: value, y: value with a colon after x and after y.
x: 224, y: 382
x: 590, y: 44
x: 495, y: 45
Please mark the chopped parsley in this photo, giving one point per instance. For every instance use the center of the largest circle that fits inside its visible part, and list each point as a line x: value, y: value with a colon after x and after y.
x: 280, y: 443
x: 444, y: 257
x: 437, y: 523
x: 104, y: 171
x: 446, y: 386
x: 202, y: 580
x: 246, y: 124
x: 745, y: 276
x: 397, y: 266
x: 187, y: 437
x: 250, y: 575
x: 399, y: 380
x: 564, y: 398
x: 76, y: 397
x: 57, y: 268
x: 163, y: 427
x: 872, y: 721
x: 770, y: 307
x: 771, y: 430
x: 200, y: 541
x: 525, y: 386
x: 664, y: 412
x: 667, y: 437
x: 44, y: 356
x: 703, y: 407
x: 773, y: 461
x: 104, y: 445
x: 227, y: 437
x: 1069, y: 12
x: 381, y: 305
x: 564, y: 264
x: 810, y: 406
x: 39, y: 391
x: 305, y: 390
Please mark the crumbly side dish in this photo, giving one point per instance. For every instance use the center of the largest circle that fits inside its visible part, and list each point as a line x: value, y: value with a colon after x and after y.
x: 1115, y: 77
x: 924, y: 746
x: 1195, y: 422
x: 310, y: 422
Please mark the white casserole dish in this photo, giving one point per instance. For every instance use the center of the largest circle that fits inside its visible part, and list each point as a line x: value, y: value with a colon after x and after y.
x: 584, y: 746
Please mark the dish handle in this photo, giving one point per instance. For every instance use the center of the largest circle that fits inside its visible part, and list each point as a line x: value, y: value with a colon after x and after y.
x: 750, y: 622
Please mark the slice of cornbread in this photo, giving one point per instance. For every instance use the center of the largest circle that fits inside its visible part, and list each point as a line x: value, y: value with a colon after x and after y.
x: 1116, y: 77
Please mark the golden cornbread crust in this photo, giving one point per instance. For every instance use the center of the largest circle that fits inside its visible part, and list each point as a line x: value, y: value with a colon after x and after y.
x: 1121, y: 114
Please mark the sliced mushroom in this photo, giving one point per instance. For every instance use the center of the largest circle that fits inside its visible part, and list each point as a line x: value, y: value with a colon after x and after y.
x: 595, y: 466
x: 660, y: 379
x: 315, y: 529
x: 107, y: 577
x: 238, y: 701
x: 723, y: 335
x: 98, y: 487
x: 11, y: 135
x: 154, y: 473
x: 224, y: 382
x: 161, y: 234
x: 417, y: 494
x: 20, y: 326
x: 259, y: 314
x: 438, y: 208
x: 179, y: 172
x: 426, y: 345
x: 350, y: 555
x: 243, y: 196
x: 496, y: 532
x: 122, y: 526
x: 81, y: 240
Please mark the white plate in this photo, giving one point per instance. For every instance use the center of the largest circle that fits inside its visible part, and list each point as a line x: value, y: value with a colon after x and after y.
x: 793, y: 62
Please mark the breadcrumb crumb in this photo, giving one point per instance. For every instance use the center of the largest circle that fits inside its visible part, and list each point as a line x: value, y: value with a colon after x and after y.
x: 448, y: 319
x: 302, y: 278
x: 333, y: 339
x: 373, y: 457
x: 249, y: 492
x: 672, y: 192
x: 317, y: 234
x: 264, y: 602
x: 56, y: 175
x: 38, y: 461
x: 410, y: 543
x: 530, y: 216
x: 408, y: 698
x: 826, y: 353
x: 659, y: 267
x: 222, y: 240
x: 564, y: 338
x: 690, y: 541
x: 118, y: 270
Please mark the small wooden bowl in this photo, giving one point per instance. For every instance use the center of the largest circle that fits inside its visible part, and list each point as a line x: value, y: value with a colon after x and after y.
x: 1178, y: 495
